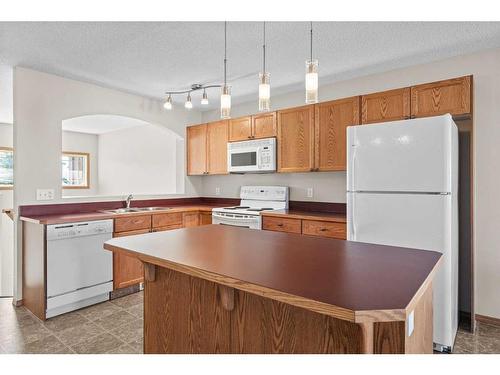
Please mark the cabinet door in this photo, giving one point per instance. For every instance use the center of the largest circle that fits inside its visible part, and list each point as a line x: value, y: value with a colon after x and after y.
x: 197, y: 149
x: 217, y: 133
x: 240, y: 129
x: 205, y: 218
x: 264, y: 125
x: 296, y: 139
x: 127, y: 270
x: 450, y: 96
x: 324, y: 229
x: 191, y: 219
x: 386, y: 106
x: 332, y: 119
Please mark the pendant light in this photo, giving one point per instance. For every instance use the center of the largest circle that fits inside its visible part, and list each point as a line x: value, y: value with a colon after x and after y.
x: 204, y: 99
x: 168, y: 103
x: 264, y: 86
x: 225, y: 98
x: 311, y: 76
x: 188, y: 104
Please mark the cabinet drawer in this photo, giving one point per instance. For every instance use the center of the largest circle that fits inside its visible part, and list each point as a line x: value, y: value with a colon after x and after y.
x: 281, y: 224
x: 167, y: 227
x: 324, y: 229
x: 131, y: 233
x: 163, y: 220
x: 125, y: 224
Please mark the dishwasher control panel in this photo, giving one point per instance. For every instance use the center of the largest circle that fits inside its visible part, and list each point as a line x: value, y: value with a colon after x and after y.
x: 84, y: 228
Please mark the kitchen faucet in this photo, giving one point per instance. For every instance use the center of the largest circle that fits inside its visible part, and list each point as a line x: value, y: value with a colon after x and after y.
x: 129, y: 198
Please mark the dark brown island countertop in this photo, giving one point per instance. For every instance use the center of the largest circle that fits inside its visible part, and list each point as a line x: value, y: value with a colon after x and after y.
x: 348, y: 280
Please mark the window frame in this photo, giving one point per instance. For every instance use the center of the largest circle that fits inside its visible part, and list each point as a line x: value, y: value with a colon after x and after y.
x: 87, y: 182
x: 7, y: 187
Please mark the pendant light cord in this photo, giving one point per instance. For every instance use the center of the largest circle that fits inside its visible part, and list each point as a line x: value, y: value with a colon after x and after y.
x: 311, y: 40
x: 225, y: 51
x: 264, y: 50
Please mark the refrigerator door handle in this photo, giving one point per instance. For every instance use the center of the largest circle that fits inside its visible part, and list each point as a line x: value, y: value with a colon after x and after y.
x: 350, y: 218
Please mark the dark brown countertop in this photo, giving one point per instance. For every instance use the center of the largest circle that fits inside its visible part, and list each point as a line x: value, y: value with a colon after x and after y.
x: 344, y: 279
x: 98, y: 215
x: 309, y: 215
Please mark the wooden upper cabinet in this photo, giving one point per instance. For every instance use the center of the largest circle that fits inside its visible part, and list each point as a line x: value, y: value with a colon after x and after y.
x: 217, y: 138
x: 264, y: 125
x: 296, y: 139
x: 385, y: 106
x: 197, y: 149
x: 437, y: 98
x: 240, y: 129
x: 332, y: 119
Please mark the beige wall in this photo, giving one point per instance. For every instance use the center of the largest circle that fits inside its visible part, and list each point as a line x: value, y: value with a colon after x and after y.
x: 6, y: 227
x: 41, y: 102
x: 485, y: 66
x: 81, y: 142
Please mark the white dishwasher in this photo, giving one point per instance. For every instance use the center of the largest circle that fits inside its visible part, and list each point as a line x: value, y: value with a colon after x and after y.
x: 79, y: 270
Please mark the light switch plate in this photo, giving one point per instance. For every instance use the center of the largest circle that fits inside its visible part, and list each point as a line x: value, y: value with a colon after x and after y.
x: 217, y: 191
x: 44, y: 194
x: 310, y: 192
x: 411, y: 323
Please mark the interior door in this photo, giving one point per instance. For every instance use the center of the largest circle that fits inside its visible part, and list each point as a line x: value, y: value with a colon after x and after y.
x: 409, y: 156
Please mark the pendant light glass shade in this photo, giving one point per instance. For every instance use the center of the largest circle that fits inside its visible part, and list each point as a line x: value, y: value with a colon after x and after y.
x: 225, y: 102
x: 204, y: 99
x: 264, y: 92
x: 311, y: 81
x: 168, y: 103
x: 189, y: 103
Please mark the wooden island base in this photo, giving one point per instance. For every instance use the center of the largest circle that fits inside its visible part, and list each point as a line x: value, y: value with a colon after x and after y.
x: 187, y: 314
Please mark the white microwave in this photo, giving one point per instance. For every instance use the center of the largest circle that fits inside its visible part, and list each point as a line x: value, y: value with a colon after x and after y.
x: 255, y: 156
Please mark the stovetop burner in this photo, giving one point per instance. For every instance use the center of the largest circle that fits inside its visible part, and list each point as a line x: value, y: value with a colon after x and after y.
x: 260, y: 209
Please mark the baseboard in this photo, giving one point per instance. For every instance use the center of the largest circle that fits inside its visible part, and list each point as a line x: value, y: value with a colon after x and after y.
x: 17, y: 303
x: 488, y: 320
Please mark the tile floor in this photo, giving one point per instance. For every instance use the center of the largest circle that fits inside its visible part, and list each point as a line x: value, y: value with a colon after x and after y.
x: 117, y: 326
x: 110, y: 327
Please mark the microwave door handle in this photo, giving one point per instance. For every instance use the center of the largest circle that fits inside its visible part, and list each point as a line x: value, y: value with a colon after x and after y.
x: 258, y: 156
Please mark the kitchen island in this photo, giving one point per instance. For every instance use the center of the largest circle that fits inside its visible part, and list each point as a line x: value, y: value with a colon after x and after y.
x: 222, y: 289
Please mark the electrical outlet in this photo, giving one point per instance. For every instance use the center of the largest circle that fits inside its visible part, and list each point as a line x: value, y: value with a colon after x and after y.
x: 217, y: 191
x: 310, y: 192
x: 44, y: 194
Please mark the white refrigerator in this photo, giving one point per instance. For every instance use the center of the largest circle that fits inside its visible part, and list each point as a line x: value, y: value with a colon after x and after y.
x: 402, y: 180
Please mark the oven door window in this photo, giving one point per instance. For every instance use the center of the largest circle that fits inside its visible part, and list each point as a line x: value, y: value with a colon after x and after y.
x: 244, y: 159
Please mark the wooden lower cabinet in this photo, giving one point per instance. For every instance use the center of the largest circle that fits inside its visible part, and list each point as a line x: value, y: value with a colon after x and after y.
x: 127, y: 271
x: 324, y: 229
x: 190, y: 219
x: 167, y: 227
x: 163, y: 220
x: 304, y: 226
x: 205, y: 218
x: 281, y: 224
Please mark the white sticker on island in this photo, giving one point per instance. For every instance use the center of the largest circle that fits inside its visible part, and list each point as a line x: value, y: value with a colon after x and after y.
x: 411, y: 322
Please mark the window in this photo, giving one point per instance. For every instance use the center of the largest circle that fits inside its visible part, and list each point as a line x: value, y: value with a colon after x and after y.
x: 75, y: 170
x: 6, y: 168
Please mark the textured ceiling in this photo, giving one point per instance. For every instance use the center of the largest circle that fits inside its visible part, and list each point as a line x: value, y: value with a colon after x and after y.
x: 150, y: 58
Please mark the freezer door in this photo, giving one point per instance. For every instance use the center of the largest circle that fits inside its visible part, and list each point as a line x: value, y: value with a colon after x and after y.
x: 420, y: 221
x: 408, y: 156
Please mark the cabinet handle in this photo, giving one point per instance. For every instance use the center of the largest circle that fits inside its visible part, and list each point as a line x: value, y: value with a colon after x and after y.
x: 323, y: 229
x: 280, y: 225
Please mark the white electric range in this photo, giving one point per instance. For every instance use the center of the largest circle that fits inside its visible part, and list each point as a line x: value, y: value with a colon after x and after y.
x: 254, y: 200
